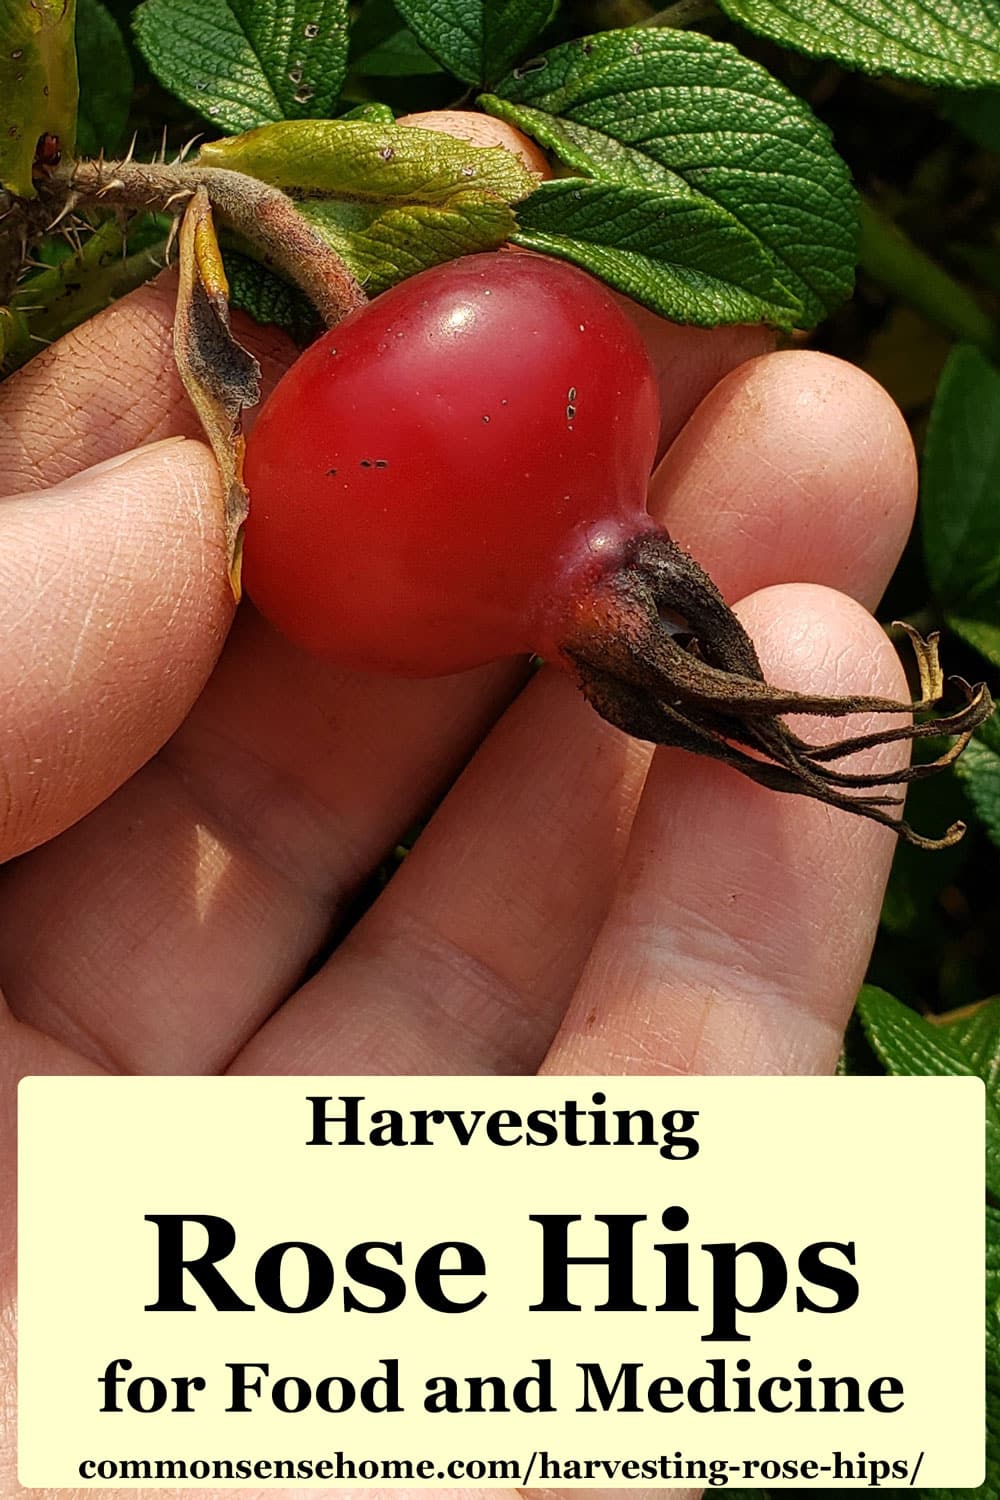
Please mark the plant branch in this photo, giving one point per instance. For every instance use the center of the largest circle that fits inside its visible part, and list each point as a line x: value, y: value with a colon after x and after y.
x: 894, y: 261
x: 265, y: 217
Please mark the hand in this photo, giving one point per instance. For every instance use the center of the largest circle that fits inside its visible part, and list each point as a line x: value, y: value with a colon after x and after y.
x: 195, y: 831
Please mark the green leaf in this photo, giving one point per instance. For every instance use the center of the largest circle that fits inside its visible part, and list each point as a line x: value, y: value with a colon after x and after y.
x: 977, y: 1032
x: 909, y: 1045
x: 14, y: 338
x: 992, y: 1253
x: 649, y: 107
x: 242, y: 63
x: 267, y: 298
x: 383, y: 244
x: 979, y: 634
x: 399, y: 56
x: 477, y: 40
x: 38, y: 84
x: 390, y: 199
x: 378, y: 114
x: 953, y: 42
x: 960, y: 516
x: 667, y: 247
x: 105, y: 79
x: 372, y: 162
x: 979, y: 769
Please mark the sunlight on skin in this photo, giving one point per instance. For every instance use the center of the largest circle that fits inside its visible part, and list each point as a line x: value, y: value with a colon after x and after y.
x: 255, y: 904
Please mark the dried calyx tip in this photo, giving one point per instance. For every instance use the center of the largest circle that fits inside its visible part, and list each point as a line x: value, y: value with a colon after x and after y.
x: 659, y: 653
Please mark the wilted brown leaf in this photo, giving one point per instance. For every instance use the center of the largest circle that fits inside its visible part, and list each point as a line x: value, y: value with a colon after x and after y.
x: 219, y: 375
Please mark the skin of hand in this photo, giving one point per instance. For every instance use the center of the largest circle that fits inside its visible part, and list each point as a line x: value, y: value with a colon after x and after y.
x: 189, y: 807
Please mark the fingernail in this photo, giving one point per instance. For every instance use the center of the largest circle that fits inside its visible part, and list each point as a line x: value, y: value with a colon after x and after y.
x: 126, y: 458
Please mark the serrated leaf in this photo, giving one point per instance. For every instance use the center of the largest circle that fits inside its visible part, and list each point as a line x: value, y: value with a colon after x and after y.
x: 953, y: 42
x: 667, y: 247
x: 477, y: 40
x: 960, y: 481
x: 398, y: 56
x: 241, y: 63
x: 38, y: 84
x: 909, y: 1045
x: 979, y: 769
x: 384, y: 243
x: 977, y: 1032
x: 372, y: 162
x: 649, y: 106
x: 105, y: 70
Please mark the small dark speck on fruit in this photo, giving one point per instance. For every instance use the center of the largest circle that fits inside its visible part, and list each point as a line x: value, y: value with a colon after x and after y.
x: 366, y: 463
x: 311, y: 31
x: 387, y: 153
x: 571, y: 393
x: 570, y: 413
x: 588, y: 48
x: 17, y: 52
x: 331, y: 472
x: 13, y: 132
x: 591, y: 1020
x: 331, y: 352
x: 503, y: 401
x: 486, y: 419
x: 381, y: 463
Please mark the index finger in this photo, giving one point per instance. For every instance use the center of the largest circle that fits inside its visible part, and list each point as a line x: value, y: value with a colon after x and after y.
x: 109, y: 386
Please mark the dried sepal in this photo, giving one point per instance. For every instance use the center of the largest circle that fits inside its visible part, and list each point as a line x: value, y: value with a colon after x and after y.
x: 220, y: 376
x: 659, y: 653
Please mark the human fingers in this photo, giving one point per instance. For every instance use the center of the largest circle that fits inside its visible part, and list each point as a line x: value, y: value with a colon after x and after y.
x: 469, y: 959
x: 744, y: 920
x: 831, y: 452
x: 113, y: 608
x: 108, y: 387
x: 236, y: 852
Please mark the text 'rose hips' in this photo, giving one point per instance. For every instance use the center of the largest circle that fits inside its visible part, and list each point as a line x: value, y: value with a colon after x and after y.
x: 457, y: 473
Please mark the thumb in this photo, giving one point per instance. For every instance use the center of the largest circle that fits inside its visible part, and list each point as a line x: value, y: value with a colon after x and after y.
x: 114, y: 605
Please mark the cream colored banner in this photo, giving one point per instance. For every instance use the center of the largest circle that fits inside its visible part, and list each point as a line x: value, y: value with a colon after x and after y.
x: 488, y: 1282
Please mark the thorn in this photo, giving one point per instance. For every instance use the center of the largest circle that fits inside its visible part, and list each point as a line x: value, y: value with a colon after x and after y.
x: 67, y: 208
x: 37, y: 338
x: 109, y: 187
x: 130, y: 153
x: 182, y: 194
x: 175, y: 225
x: 187, y: 147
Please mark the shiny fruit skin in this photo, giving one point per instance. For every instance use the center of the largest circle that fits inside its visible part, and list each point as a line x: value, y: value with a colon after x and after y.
x: 432, y: 479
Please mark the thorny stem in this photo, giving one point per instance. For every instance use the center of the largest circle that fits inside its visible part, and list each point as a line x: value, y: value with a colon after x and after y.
x: 265, y: 217
x: 701, y: 688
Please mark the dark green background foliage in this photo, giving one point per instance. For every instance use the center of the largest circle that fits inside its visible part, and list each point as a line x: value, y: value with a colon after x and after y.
x: 725, y: 162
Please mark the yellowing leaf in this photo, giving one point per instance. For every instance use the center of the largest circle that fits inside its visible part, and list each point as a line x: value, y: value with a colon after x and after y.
x: 38, y: 84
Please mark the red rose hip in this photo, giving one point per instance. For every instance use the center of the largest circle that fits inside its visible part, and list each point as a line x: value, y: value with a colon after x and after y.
x: 457, y: 472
